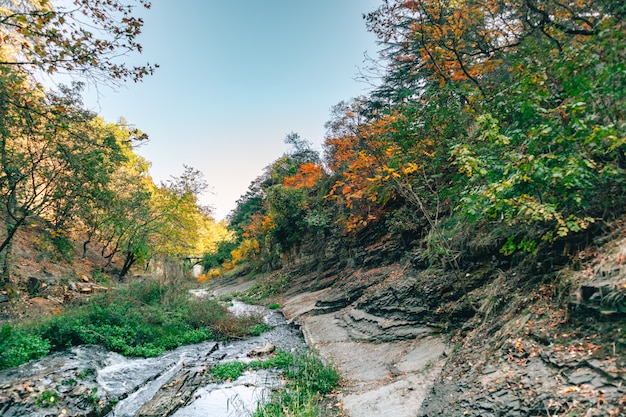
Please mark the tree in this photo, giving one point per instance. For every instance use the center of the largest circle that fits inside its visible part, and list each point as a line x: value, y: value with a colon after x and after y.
x: 54, y: 157
x: 83, y: 37
x: 468, y: 40
x: 532, y: 127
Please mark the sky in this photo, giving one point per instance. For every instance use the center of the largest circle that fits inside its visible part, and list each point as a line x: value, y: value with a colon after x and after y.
x: 235, y: 78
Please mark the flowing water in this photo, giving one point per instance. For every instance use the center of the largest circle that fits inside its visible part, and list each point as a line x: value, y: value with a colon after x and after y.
x: 90, y: 373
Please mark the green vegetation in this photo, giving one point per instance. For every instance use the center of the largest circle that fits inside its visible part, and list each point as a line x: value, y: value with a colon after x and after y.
x: 141, y: 319
x: 17, y: 346
x: 273, y: 306
x: 504, y: 123
x: 308, y: 382
x: 47, y: 399
x: 85, y: 373
x: 263, y: 288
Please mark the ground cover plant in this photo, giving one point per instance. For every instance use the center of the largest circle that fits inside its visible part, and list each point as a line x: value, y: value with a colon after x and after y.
x: 141, y: 319
x: 262, y: 289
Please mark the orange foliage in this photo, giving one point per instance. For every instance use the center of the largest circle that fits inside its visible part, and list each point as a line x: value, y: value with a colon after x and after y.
x: 372, y: 165
x: 307, y: 176
x: 375, y: 160
x: 463, y: 40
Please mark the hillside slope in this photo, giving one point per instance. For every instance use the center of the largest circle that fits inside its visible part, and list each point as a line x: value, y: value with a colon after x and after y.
x: 44, y: 278
x: 521, y: 339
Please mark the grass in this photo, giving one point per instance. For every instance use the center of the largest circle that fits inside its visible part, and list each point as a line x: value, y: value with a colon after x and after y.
x: 142, y: 319
x: 308, y: 383
x: 262, y: 289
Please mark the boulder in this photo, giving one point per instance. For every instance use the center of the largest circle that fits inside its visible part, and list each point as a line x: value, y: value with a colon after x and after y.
x: 264, y: 351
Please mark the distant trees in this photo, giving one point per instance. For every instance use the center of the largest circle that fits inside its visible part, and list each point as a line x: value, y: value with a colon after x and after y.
x: 275, y: 213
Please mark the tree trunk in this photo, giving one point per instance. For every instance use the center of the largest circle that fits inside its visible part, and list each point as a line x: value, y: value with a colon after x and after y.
x: 85, y: 245
x: 5, y: 265
x: 128, y: 263
x: 6, y: 247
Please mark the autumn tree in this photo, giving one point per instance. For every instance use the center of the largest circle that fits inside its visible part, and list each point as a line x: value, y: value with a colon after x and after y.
x: 537, y: 147
x: 470, y: 41
x: 277, y: 209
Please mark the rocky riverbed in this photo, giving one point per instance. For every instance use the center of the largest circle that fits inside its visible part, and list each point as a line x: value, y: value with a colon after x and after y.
x: 90, y: 381
x: 408, y: 342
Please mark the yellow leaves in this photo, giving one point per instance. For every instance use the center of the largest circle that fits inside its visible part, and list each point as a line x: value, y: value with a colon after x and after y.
x: 391, y: 173
x: 410, y: 168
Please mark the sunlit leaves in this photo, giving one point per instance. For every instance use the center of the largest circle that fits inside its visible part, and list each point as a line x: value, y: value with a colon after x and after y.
x: 307, y: 176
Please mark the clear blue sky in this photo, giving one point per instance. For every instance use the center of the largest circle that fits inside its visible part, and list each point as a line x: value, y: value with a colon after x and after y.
x: 236, y: 77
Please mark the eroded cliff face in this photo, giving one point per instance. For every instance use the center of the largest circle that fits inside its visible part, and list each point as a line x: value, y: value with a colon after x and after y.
x: 503, y: 338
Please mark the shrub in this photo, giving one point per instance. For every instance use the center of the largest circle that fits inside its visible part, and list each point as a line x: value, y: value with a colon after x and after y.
x: 143, y: 319
x: 18, y: 346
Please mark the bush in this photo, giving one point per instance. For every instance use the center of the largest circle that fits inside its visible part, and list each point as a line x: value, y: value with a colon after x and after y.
x: 143, y: 319
x: 266, y: 287
x: 18, y: 346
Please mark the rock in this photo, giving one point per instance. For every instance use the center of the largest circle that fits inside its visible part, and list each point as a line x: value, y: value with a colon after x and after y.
x: 265, y: 350
x: 174, y: 394
x: 581, y: 376
x: 335, y: 301
x: 79, y: 391
x: 4, y: 298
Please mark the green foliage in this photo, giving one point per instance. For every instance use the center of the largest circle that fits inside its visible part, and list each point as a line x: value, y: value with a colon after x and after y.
x: 510, y: 246
x: 47, y: 399
x: 265, y: 287
x: 63, y: 245
x: 308, y: 379
x: 144, y: 323
x: 312, y: 375
x: 551, y: 153
x: 92, y: 396
x: 142, y: 319
x: 85, y: 373
x: 259, y: 329
x: 229, y: 371
x: 273, y: 306
x: 17, y: 346
x: 287, y: 209
x: 217, y: 258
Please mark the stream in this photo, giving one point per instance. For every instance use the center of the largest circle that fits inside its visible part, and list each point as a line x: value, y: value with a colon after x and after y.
x: 88, y: 380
